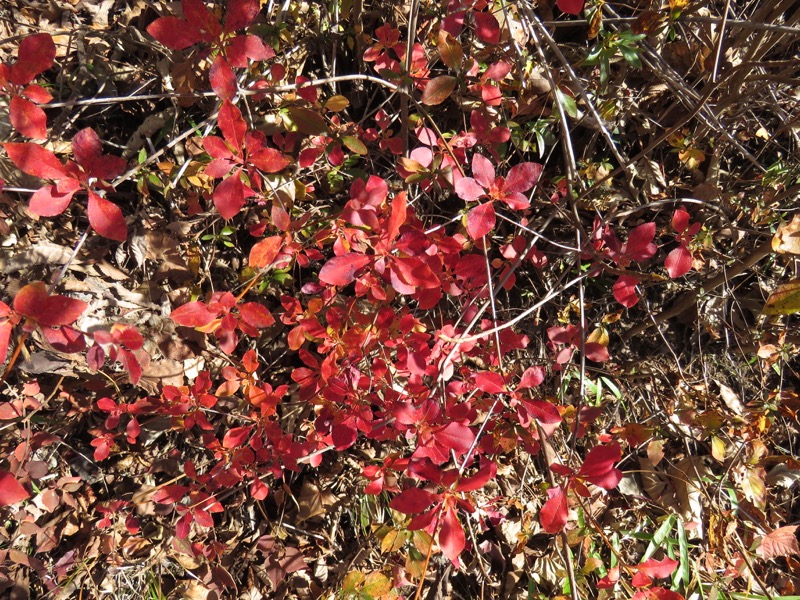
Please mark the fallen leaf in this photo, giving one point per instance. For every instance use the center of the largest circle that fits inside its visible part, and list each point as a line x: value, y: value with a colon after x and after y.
x: 787, y: 238
x: 781, y: 542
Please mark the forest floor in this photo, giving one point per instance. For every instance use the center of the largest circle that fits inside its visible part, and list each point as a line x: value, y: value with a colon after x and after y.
x: 407, y: 299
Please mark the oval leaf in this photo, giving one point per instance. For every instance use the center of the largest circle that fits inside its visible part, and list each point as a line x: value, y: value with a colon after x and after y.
x: 341, y: 270
x: 438, y: 90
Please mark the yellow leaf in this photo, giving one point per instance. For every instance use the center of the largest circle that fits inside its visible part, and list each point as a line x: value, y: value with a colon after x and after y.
x: 787, y: 238
x: 784, y: 300
x: 692, y: 157
x: 337, y: 103
x: 718, y: 449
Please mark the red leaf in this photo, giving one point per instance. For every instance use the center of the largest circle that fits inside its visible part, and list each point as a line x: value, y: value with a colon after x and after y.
x: 658, y: 569
x: 35, y: 160
x: 86, y: 146
x: 455, y: 436
x: 269, y: 160
x: 229, y: 195
x: 481, y: 220
x: 33, y: 302
x: 781, y: 542
x: 412, y: 500
x: 240, y: 14
x: 489, y: 382
x: 48, y: 202
x: 596, y: 352
x: 106, y: 218
x: 486, y: 27
x: 640, y: 244
x: 468, y: 189
x: 193, y: 314
x: 438, y: 89
x: 680, y: 220
x: 170, y: 494
x: 532, y: 377
x: 36, y: 54
x: 523, y: 177
x: 469, y: 484
x: 198, y: 15
x: 222, y: 78
x: 553, y: 515
x: 27, y: 118
x: 341, y: 270
x: 174, y: 33
x: 131, y: 364
x: 641, y: 580
x: 483, y: 170
x: 11, y: 490
x: 571, y: 7
x: 598, y: 467
x: 679, y: 262
x: 246, y: 47
x: 232, y: 125
x: 625, y: 290
x: 6, y: 327
x: 265, y: 251
x: 37, y: 94
x: 236, y: 436
x: 256, y: 315
x: 451, y: 535
x: 397, y: 217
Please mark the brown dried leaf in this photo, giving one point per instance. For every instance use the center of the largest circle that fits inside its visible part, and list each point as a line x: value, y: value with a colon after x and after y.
x: 781, y: 542
x: 787, y: 238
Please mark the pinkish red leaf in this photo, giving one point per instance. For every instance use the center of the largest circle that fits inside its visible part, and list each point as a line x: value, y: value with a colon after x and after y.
x: 11, y: 490
x: 244, y: 47
x: 438, y: 90
x: 640, y: 244
x: 240, y: 14
x: 397, y: 217
x: 658, y: 569
x: 532, y: 377
x: 780, y: 542
x: 483, y: 170
x: 489, y: 382
x: 27, y: 118
x: 47, y: 201
x: 678, y: 262
x: 33, y: 301
x: 106, y: 218
x: 341, y: 270
x: 37, y: 94
x: 170, y: 494
x: 232, y: 125
x: 451, y: 535
x: 598, y: 467
x: 222, y: 78
x: 36, y: 54
x: 486, y: 27
x: 468, y: 189
x: 571, y: 7
x: 553, y: 515
x: 86, y: 147
x: 680, y: 220
x: 625, y: 290
x: 523, y: 177
x: 174, y: 33
x: 6, y: 327
x: 35, y: 160
x: 193, y: 314
x: 596, y: 352
x: 481, y: 220
x: 412, y: 500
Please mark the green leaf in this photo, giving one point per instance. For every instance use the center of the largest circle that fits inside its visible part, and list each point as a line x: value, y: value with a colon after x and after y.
x: 306, y: 121
x: 354, y: 144
x: 568, y: 103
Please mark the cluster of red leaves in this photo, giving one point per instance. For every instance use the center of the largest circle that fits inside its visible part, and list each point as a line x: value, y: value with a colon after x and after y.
x: 201, y: 26
x: 35, y: 55
x: 89, y: 172
x: 368, y: 361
